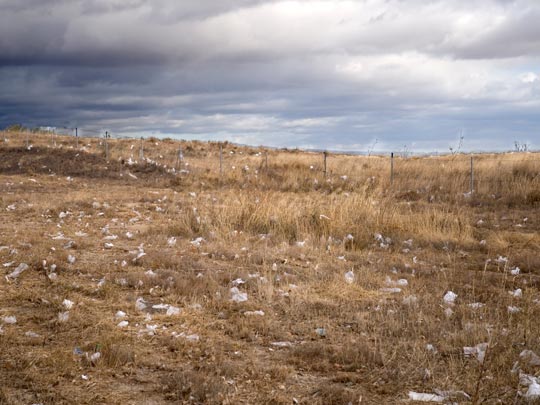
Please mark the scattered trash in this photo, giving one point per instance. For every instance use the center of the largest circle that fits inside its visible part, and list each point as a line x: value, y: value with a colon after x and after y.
x: 533, y: 391
x: 281, y: 344
x: 140, y: 304
x: 108, y: 245
x: 171, y: 241
x: 67, y: 304
x: 477, y: 305
x: 513, y: 310
x: 197, y: 242
x: 423, y: 397
x: 254, y: 313
x: 530, y: 357
x: 450, y: 297
x: 515, y: 271
x: 63, y: 316
x: 173, y: 311
x: 9, y: 320
x: 321, y: 332
x: 237, y: 282
x: 122, y: 324
x: 478, y: 351
x: 71, y: 259
x: 31, y: 334
x: 517, y: 293
x: 392, y: 290
x: 431, y: 348
x: 120, y: 314
x: 349, y: 277
x: 237, y: 296
x: 17, y: 272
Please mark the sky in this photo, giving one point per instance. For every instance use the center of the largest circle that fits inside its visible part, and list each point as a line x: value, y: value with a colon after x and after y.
x: 386, y: 75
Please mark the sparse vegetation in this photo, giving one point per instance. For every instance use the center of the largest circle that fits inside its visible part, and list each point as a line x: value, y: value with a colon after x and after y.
x: 345, y: 275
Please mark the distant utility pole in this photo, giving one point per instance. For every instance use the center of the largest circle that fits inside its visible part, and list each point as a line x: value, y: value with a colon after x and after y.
x: 76, y: 138
x: 325, y: 154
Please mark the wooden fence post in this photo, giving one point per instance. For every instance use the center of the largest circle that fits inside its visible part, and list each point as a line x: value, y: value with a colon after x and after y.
x: 392, y: 168
x: 472, y: 176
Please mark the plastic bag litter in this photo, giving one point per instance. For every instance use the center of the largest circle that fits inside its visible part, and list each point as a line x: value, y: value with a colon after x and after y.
x: 450, y: 297
x: 349, y: 277
x: 18, y: 271
x: 237, y: 296
x: 423, y: 397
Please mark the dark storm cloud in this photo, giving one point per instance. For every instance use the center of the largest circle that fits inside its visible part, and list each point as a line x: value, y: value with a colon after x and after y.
x: 297, y: 73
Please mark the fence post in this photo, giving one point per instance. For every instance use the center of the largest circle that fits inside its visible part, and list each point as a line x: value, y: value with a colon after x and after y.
x: 106, y: 146
x: 392, y: 168
x: 325, y: 154
x: 76, y: 138
x: 472, y: 176
x: 266, y: 161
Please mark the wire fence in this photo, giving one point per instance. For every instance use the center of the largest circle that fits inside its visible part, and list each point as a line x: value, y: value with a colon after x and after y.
x: 470, y: 173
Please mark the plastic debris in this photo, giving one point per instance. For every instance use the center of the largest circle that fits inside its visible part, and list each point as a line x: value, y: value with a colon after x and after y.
x: 517, y: 293
x: 122, y: 324
x: 349, y: 277
x: 450, y: 297
x: 478, y: 351
x: 67, y: 304
x: 18, y: 271
x: 9, y: 319
x: 63, y: 316
x: 530, y: 357
x: 423, y: 397
x: 281, y: 344
x: 237, y: 282
x: 71, y: 259
x: 172, y: 311
x: 477, y: 305
x: 237, y: 296
x: 321, y: 332
x: 31, y: 334
x: 197, y: 242
x: 254, y: 313
x: 120, y: 314
x: 140, y: 304
x: 513, y: 310
x: 390, y: 290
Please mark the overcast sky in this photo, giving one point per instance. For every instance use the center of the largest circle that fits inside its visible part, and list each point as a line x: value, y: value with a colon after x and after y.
x: 319, y: 74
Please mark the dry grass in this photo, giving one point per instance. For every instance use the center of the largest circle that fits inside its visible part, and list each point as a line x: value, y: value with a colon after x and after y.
x: 283, y: 229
